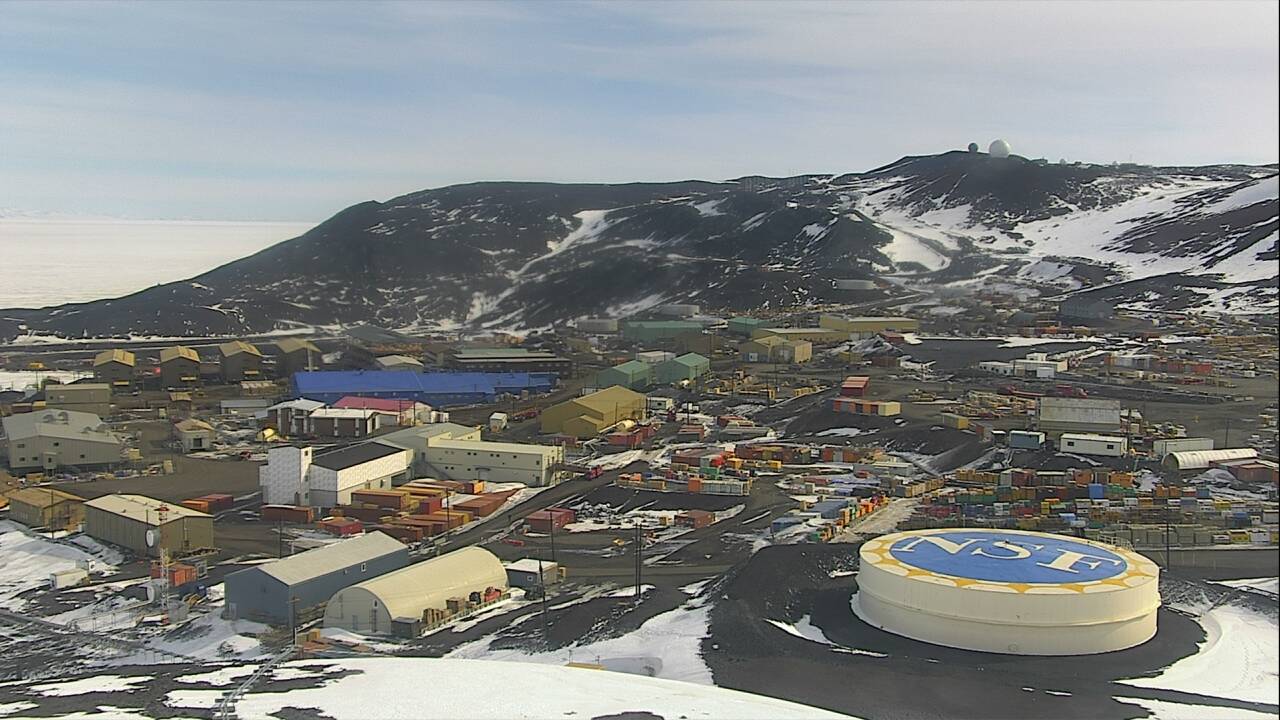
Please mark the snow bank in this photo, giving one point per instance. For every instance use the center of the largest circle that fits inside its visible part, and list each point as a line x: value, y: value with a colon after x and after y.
x: 29, y: 559
x: 98, y: 684
x: 1238, y: 659
x: 391, y: 688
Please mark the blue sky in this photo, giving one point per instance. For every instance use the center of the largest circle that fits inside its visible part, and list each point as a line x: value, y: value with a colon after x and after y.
x: 292, y: 111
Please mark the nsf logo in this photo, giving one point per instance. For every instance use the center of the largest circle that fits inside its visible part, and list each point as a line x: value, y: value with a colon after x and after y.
x: 1008, y: 557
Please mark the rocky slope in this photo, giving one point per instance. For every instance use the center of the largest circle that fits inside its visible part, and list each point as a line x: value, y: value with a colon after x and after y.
x: 533, y: 254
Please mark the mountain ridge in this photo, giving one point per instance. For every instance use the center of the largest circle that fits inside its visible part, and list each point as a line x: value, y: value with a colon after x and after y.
x: 531, y: 254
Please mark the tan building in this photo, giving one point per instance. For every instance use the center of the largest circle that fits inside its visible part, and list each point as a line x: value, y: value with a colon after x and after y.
x: 296, y: 356
x: 51, y: 439
x: 85, y: 397
x: 586, y: 416
x: 817, y: 336
x: 179, y: 367
x: 773, y: 349
x: 878, y: 324
x: 115, y: 368
x: 194, y: 435
x: 46, y: 508
x: 145, y: 525
x: 240, y: 361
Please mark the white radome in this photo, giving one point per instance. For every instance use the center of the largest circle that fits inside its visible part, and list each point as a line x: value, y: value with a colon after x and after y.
x: 999, y: 148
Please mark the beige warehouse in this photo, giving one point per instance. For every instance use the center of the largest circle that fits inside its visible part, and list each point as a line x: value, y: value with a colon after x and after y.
x: 407, y: 594
x: 146, y: 525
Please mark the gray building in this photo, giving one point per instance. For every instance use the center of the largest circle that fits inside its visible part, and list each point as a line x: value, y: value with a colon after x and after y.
x: 1083, y: 307
x: 179, y: 367
x: 299, y: 586
x: 1055, y: 416
x: 84, y: 397
x: 240, y: 361
x: 51, y: 439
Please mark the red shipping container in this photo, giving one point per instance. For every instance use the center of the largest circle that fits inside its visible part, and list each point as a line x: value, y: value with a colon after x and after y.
x: 431, y: 505
x: 341, y: 526
x: 218, y: 501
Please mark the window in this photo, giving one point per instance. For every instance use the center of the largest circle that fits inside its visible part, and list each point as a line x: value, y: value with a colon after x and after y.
x: 364, y: 567
x: 1111, y: 446
x: 81, y: 456
x: 22, y: 445
x: 55, y: 444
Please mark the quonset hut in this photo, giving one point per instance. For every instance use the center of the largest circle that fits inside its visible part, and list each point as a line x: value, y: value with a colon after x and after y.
x: 1008, y: 591
x: 399, y: 601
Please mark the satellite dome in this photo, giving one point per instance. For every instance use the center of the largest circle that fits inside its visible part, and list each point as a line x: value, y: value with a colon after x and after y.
x: 973, y: 147
x: 999, y: 148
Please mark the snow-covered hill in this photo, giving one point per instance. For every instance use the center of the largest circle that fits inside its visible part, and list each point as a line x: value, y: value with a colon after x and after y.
x: 527, y: 255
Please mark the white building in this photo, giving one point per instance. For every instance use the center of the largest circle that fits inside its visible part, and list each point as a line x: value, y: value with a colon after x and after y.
x: 533, y: 465
x: 996, y: 367
x: 50, y: 439
x: 1090, y: 444
x: 1040, y: 369
x: 299, y: 476
x: 292, y: 417
x: 399, y: 362
x: 653, y: 357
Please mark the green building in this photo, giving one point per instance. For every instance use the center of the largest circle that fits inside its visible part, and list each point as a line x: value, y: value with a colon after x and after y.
x: 744, y: 325
x: 689, y: 366
x: 631, y: 374
x: 658, y: 329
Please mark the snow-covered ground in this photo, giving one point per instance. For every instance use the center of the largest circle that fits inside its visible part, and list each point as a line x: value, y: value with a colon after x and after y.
x: 23, y: 379
x: 1239, y: 659
x: 376, y: 688
x: 27, y: 560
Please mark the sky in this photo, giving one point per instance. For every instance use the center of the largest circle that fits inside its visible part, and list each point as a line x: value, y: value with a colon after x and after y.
x: 292, y: 111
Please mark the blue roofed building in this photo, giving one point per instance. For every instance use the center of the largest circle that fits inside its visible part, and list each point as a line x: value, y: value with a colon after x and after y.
x: 438, y: 389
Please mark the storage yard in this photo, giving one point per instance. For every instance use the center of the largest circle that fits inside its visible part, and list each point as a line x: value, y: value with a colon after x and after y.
x: 414, y: 498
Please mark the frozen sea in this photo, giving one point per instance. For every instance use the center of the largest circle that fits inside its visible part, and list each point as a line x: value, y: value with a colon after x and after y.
x: 50, y: 262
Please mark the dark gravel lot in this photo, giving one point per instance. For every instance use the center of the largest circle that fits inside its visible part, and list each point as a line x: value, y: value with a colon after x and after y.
x: 905, y: 678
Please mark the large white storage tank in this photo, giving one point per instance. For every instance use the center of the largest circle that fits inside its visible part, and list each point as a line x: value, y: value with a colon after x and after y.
x: 1008, y: 591
x: 370, y: 606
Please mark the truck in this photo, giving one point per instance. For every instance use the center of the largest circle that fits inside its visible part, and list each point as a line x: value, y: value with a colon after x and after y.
x: 1069, y: 391
x: 525, y: 414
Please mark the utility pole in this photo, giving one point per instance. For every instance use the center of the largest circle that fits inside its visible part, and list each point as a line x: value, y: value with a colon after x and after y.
x: 639, y: 553
x: 280, y: 538
x: 553, y: 543
x: 1226, y: 442
x: 542, y: 586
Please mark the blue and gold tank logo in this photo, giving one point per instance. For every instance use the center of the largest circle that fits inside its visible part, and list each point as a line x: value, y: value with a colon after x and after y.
x: 1007, y: 557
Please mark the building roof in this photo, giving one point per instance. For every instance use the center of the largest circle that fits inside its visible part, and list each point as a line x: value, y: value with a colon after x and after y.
x: 767, y: 341
x: 425, y: 432
x: 499, y: 447
x: 1200, y: 459
x: 179, y: 351
x: 606, y: 400
x: 332, y: 412
x: 362, y: 382
x: 691, y: 360
x: 193, y: 425
x: 330, y: 558
x: 143, y: 508
x: 42, y: 497
x: 408, y: 591
x: 1092, y: 436
x: 633, y: 368
x: 117, y: 355
x: 292, y: 345
x: 532, y: 565
x: 68, y: 424
x: 390, y: 360
x: 381, y: 404
x: 354, y: 455
x: 79, y: 387
x: 499, y: 353
x: 235, y: 347
x: 302, y: 404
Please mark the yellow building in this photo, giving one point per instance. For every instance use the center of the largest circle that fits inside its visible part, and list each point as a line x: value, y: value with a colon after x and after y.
x: 587, y: 416
x: 877, y: 324
x: 46, y: 508
x: 114, y: 367
x: 818, y: 335
x: 773, y: 349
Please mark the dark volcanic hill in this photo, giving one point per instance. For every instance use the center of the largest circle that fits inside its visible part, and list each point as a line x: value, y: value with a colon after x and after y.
x: 533, y: 254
